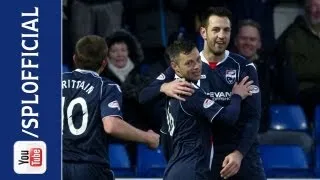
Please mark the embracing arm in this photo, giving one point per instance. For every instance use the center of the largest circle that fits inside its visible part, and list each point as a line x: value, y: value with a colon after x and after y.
x: 166, y: 85
x: 152, y: 91
x: 230, y: 113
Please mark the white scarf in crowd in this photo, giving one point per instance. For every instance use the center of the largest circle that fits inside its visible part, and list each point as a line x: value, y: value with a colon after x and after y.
x: 122, y: 73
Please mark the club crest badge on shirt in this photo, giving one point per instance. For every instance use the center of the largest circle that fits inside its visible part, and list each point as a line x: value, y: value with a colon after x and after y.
x: 161, y: 77
x: 207, y: 103
x: 114, y: 104
x: 231, y: 76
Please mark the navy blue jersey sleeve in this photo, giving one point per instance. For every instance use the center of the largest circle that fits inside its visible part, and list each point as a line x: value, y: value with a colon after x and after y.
x: 251, y: 110
x: 152, y: 91
x: 111, y: 101
x: 201, y: 105
x: 230, y: 113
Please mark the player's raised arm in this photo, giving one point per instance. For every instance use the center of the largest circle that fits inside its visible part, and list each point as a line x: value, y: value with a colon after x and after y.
x: 152, y: 91
x: 165, y: 85
x: 177, y: 88
x: 212, y: 110
x: 241, y: 91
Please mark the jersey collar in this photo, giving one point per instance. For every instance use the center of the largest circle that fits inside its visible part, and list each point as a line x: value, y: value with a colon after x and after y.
x: 87, y: 71
x: 177, y: 77
x: 226, y: 55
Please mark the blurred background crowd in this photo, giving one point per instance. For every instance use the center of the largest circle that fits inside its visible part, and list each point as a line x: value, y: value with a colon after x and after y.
x: 281, y: 37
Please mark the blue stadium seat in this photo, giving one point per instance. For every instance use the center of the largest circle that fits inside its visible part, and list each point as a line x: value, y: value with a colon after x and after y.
x: 317, y: 124
x: 150, y: 163
x: 119, y: 161
x: 284, y: 161
x: 317, y: 162
x: 317, y: 141
x: 288, y: 117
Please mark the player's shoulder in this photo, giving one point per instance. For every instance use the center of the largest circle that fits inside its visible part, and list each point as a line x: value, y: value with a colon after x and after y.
x: 82, y: 73
x: 110, y: 85
x: 67, y: 74
x: 198, y: 92
x: 106, y: 80
x: 238, y: 58
x: 243, y: 62
x: 191, y: 103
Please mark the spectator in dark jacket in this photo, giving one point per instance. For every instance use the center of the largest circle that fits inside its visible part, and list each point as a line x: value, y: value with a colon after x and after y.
x: 124, y: 58
x: 298, y: 59
x: 248, y: 44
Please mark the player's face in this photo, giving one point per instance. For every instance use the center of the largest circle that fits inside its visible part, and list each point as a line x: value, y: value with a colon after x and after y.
x: 313, y: 11
x: 217, y: 34
x: 118, y: 54
x: 248, y: 41
x: 189, y: 65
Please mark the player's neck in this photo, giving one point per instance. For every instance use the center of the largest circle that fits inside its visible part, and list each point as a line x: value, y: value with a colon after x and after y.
x: 99, y: 71
x: 210, y: 57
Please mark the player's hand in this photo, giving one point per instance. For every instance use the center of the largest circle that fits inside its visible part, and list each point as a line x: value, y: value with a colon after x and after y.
x: 231, y: 164
x: 153, y: 139
x: 176, y: 88
x: 243, y: 88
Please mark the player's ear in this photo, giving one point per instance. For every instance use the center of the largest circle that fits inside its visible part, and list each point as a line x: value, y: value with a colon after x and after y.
x: 203, y: 32
x: 175, y: 67
x: 103, y: 65
x: 74, y: 60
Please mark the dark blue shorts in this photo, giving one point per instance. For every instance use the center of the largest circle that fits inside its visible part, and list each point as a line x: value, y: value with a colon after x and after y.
x: 83, y: 171
x: 251, y: 168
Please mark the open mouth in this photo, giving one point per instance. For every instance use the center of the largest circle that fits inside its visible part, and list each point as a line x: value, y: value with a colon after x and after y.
x: 197, y: 73
x: 220, y: 43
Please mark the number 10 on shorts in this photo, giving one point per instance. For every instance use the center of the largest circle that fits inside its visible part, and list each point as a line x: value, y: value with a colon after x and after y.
x: 30, y: 157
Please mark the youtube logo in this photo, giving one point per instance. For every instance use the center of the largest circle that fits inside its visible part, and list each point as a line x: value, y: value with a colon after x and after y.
x: 30, y: 157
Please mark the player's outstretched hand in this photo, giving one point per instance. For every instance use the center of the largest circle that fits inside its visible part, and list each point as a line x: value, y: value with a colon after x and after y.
x: 231, y: 164
x: 176, y: 88
x: 153, y: 139
x: 243, y: 88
